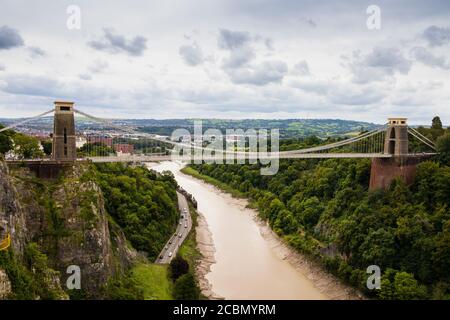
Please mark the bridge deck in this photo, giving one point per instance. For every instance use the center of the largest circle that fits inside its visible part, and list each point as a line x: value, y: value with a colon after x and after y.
x: 158, y: 158
x: 137, y: 158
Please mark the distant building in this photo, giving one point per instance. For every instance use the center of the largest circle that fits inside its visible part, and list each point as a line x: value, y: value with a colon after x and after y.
x: 123, y: 149
x: 96, y: 139
x: 80, y: 141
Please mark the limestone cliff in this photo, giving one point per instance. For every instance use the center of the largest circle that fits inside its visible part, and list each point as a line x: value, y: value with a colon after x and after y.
x: 68, y: 222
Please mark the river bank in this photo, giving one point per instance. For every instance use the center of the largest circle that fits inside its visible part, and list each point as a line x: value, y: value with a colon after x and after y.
x: 328, y: 285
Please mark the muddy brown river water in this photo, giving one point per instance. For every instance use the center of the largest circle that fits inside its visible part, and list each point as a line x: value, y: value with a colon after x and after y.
x: 246, y: 266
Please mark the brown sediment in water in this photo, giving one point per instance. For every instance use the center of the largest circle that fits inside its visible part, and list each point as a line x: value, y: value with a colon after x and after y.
x: 330, y: 286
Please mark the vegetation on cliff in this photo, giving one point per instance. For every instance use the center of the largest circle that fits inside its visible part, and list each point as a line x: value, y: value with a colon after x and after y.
x: 324, y: 209
x: 142, y: 202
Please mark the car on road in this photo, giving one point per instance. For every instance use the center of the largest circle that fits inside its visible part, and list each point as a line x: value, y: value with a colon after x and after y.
x: 170, y: 254
x: 167, y: 247
x: 170, y: 241
x: 180, y: 222
x: 182, y: 216
x: 180, y: 235
x: 161, y: 257
x: 185, y: 225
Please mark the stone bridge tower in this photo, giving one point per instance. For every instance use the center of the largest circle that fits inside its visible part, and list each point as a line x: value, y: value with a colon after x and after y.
x: 64, y: 148
x: 400, y: 165
x: 396, y: 142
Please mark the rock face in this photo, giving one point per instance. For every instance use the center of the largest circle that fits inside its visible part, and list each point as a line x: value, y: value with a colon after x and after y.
x: 67, y: 218
x: 5, y: 285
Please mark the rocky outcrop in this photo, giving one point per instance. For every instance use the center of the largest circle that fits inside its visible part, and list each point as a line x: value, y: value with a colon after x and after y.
x: 5, y: 285
x: 67, y: 218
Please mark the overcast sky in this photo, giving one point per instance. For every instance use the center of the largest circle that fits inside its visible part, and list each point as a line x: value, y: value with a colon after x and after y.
x: 227, y: 59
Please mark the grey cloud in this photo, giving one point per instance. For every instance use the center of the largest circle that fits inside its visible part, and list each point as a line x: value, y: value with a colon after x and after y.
x: 379, y: 64
x: 36, y: 52
x: 269, y: 44
x: 308, y: 21
x: 437, y: 36
x: 390, y: 59
x: 98, y: 66
x: 115, y: 43
x: 239, y: 57
x: 233, y: 39
x: 30, y: 85
x: 426, y: 57
x: 43, y: 86
x: 261, y: 74
x: 85, y: 76
x: 10, y: 38
x: 192, y: 54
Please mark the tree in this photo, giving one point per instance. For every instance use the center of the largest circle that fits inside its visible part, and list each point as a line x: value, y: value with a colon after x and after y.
x: 178, y: 267
x: 185, y: 288
x: 6, y: 143
x: 443, y: 148
x: 407, y: 288
x: 436, y: 128
x: 26, y: 147
x: 400, y: 285
x: 47, y: 146
x: 436, y: 123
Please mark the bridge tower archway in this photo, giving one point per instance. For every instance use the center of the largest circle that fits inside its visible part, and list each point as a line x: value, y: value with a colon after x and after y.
x: 396, y: 142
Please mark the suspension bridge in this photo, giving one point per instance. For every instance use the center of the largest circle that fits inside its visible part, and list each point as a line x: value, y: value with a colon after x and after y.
x: 387, y: 141
x: 388, y: 146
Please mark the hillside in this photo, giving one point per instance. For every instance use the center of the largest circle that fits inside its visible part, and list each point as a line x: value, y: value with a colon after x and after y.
x: 288, y: 127
x: 76, y: 221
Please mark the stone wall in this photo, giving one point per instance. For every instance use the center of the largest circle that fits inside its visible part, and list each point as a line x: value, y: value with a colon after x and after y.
x: 385, y: 170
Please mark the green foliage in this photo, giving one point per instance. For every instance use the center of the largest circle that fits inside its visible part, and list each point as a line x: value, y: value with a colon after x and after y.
x: 123, y: 287
x: 6, y: 143
x: 97, y: 149
x: 399, y: 285
x: 186, y: 288
x: 26, y: 147
x: 321, y: 204
x: 142, y: 203
x: 47, y: 146
x: 443, y: 147
x: 23, y: 285
x: 178, y: 267
x: 32, y: 279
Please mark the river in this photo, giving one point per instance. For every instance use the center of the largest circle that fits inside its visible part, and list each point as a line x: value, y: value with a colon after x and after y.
x: 246, y: 266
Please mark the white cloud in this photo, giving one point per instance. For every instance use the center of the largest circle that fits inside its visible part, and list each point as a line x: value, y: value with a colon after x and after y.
x: 259, y: 74
x: 240, y: 72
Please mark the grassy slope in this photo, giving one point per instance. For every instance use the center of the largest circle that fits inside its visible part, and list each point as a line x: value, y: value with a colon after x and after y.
x: 153, y: 279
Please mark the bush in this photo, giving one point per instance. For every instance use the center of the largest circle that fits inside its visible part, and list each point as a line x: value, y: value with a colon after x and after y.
x: 186, y: 288
x: 178, y: 267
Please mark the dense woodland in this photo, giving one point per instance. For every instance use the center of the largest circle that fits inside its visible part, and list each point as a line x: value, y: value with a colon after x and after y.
x: 141, y: 202
x: 323, y: 208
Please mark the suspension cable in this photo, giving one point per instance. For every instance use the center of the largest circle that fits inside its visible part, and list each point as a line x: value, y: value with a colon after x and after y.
x: 26, y: 120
